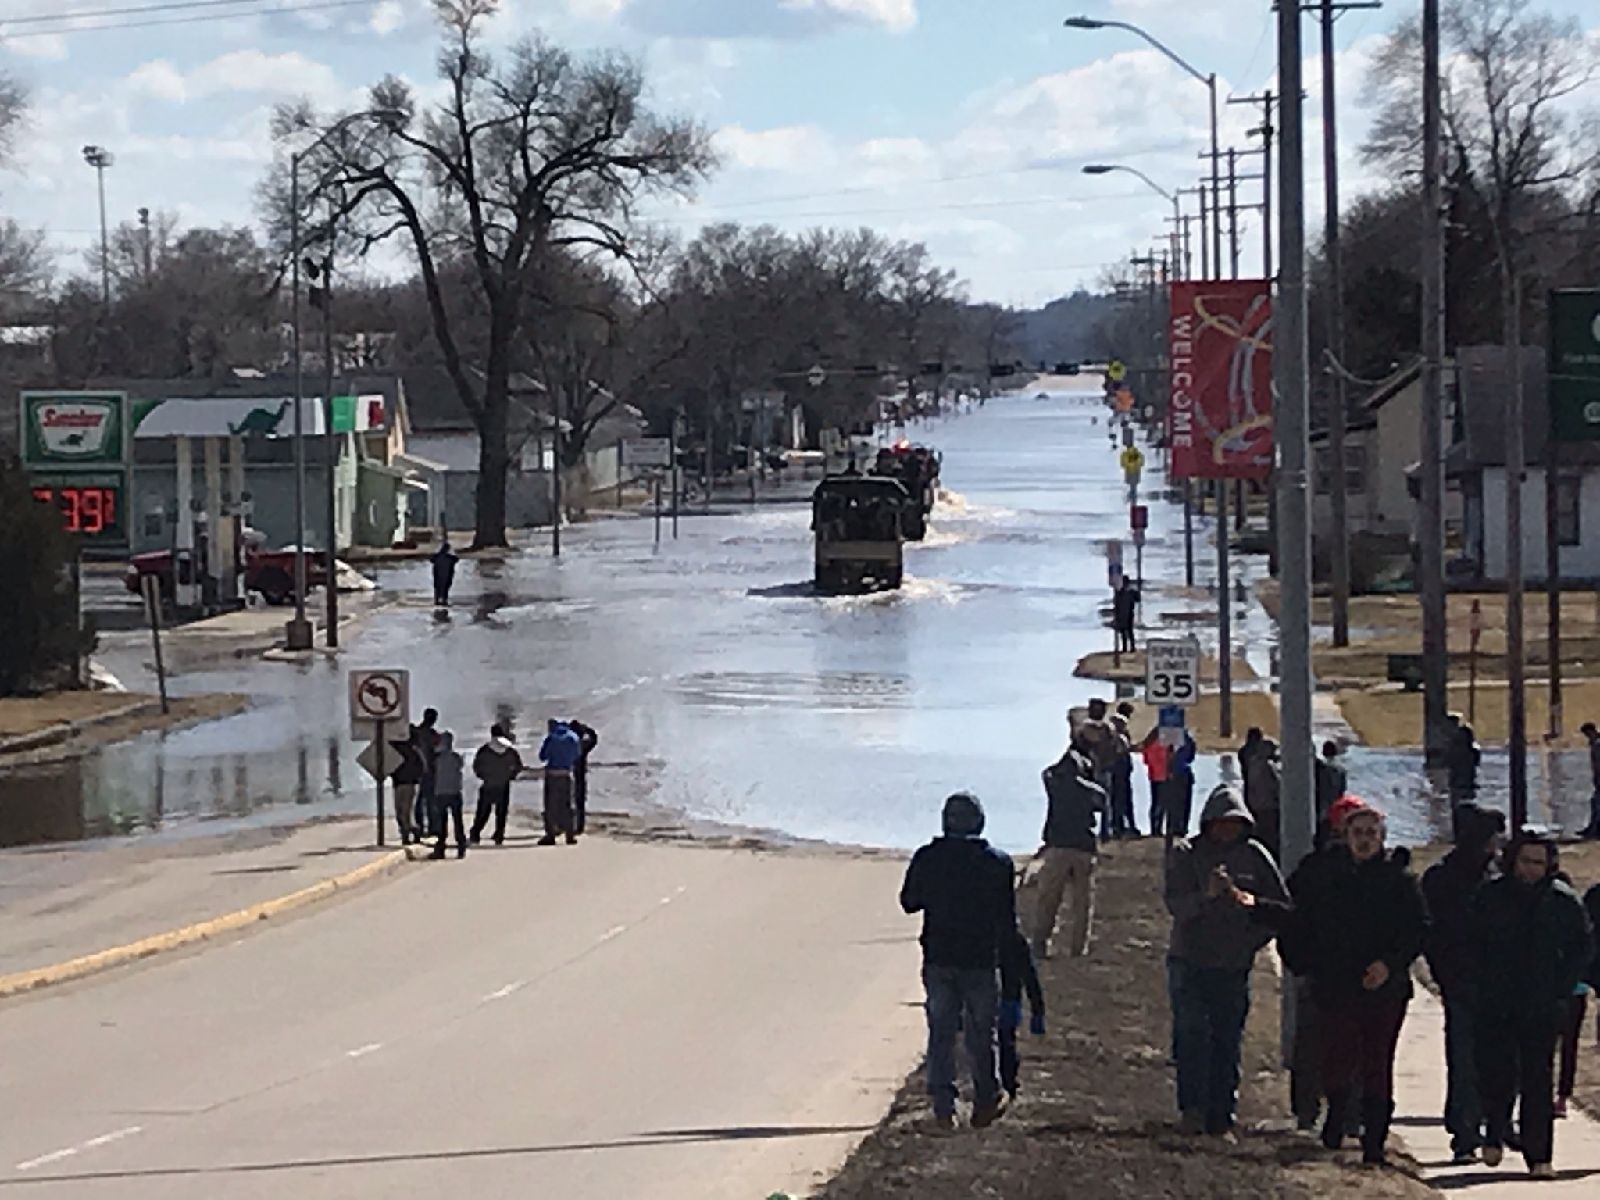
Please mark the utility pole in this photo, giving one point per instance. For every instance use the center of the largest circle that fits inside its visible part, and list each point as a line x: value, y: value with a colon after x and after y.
x: 1292, y: 424
x: 1430, y: 532
x: 1552, y: 562
x: 555, y: 476
x: 332, y: 445
x: 144, y: 231
x: 1265, y: 131
x: 1516, y: 463
x: 1338, y: 491
x: 1233, y: 214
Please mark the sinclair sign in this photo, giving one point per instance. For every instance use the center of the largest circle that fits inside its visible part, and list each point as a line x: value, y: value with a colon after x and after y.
x: 74, y: 429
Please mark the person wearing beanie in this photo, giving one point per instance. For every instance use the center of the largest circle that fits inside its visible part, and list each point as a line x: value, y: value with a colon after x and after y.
x: 1449, y: 887
x: 1212, y: 886
x: 964, y: 889
x: 1355, y: 933
x: 1531, y: 945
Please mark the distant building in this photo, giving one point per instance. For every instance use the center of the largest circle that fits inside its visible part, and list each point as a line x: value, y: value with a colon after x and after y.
x: 1475, y: 465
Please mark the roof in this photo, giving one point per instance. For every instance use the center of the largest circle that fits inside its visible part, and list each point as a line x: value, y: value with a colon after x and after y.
x: 435, y: 405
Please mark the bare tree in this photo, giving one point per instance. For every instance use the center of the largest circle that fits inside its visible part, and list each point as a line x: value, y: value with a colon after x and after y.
x: 529, y: 151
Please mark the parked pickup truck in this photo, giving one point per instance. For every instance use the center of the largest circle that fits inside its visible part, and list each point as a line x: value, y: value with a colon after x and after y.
x: 267, y: 572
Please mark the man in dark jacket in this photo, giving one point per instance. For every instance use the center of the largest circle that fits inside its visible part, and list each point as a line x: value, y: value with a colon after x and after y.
x: 963, y: 888
x: 1449, y: 887
x: 495, y: 764
x: 1124, y: 614
x: 1531, y: 943
x: 1356, y: 928
x: 1066, y: 859
x: 1212, y: 884
x: 444, y: 561
x: 407, y: 780
x: 1461, y: 757
x: 588, y: 739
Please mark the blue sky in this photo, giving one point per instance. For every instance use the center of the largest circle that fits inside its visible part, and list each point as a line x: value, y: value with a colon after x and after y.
x: 956, y: 122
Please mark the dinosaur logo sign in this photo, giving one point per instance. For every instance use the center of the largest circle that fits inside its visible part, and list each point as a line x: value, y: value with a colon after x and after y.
x: 72, y: 428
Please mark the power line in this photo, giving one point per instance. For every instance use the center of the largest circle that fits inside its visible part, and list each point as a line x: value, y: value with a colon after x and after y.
x: 702, y: 218
x: 204, y: 18
x: 134, y: 10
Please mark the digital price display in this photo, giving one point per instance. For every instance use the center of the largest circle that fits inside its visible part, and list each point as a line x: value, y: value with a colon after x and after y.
x: 91, y: 505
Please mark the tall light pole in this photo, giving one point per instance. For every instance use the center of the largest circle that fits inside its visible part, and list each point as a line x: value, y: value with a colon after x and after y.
x: 1177, y: 217
x: 100, y: 158
x: 1210, y: 81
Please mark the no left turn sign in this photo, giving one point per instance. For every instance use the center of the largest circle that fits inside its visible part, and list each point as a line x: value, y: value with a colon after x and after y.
x: 378, y: 696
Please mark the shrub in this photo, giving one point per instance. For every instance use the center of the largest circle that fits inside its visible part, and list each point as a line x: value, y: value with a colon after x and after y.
x: 42, y: 640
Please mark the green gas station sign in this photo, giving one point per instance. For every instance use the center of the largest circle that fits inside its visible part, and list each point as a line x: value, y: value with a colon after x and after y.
x: 1575, y: 365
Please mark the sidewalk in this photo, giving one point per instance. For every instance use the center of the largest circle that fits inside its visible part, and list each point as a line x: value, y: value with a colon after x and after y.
x: 1419, y: 1100
x: 62, y: 903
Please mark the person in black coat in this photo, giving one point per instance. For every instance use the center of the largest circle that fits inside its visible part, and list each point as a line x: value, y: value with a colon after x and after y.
x: 1017, y: 975
x: 1356, y: 927
x: 1449, y: 887
x: 1531, y: 945
x: 588, y: 739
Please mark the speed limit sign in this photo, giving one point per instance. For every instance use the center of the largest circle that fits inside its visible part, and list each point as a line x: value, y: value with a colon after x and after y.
x: 1172, y: 672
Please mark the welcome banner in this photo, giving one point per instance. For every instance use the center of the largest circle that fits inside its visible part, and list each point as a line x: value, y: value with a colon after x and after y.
x: 1219, y: 423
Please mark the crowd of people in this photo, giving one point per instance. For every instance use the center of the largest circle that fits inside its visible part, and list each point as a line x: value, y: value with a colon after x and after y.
x: 429, y: 781
x: 1508, y: 943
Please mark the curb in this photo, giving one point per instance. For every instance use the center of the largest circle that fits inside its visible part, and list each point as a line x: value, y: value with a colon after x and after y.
x: 63, y: 730
x: 163, y: 943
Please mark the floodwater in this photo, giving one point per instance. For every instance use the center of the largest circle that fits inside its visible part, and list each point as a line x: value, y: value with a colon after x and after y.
x: 721, y: 685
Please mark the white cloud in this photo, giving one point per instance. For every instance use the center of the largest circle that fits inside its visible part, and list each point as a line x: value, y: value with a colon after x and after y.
x: 762, y: 18
x: 388, y: 16
x: 239, y: 72
x: 159, y: 80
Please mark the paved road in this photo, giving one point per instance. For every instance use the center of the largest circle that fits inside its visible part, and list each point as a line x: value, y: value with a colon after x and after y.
x: 609, y: 1021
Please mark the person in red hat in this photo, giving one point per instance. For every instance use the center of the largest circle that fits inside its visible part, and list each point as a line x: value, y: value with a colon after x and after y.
x: 1355, y: 931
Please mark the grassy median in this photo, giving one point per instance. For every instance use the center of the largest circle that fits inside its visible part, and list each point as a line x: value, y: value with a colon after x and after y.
x: 1096, y: 1116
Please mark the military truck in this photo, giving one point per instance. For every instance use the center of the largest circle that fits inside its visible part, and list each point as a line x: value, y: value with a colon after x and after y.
x: 858, y: 521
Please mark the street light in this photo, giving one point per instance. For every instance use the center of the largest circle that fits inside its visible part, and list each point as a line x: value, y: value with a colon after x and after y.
x: 298, y: 635
x: 100, y: 158
x: 1170, y: 197
x: 1210, y: 82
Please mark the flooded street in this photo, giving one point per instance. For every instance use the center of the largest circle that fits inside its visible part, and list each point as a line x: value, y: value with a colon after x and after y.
x: 721, y: 685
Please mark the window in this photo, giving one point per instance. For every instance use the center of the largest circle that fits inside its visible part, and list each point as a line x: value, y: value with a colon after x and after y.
x: 1569, y: 496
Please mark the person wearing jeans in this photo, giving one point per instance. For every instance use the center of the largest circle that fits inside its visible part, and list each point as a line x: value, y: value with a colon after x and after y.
x: 1449, y: 887
x: 964, y: 890
x: 1212, y: 886
x: 1066, y: 859
x: 1532, y: 945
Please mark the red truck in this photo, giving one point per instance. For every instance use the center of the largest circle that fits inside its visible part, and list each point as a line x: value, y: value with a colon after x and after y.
x: 268, y: 572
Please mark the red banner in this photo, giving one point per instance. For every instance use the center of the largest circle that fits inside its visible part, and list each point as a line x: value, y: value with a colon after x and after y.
x: 1219, y: 422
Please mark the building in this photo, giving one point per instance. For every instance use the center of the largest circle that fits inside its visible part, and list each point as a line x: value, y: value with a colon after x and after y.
x: 252, y: 416
x: 1475, y: 465
x: 443, y: 447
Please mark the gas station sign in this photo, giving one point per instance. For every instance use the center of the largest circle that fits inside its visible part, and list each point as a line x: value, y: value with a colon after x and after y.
x: 92, y: 504
x: 75, y: 449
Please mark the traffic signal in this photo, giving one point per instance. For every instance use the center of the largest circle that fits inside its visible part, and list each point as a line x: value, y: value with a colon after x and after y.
x: 317, y: 296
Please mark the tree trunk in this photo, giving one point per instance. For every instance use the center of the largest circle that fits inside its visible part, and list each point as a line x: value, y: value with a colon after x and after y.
x: 494, y: 461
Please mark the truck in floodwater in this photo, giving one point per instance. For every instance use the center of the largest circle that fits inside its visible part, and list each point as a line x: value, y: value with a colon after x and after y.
x: 917, y: 469
x: 859, y: 524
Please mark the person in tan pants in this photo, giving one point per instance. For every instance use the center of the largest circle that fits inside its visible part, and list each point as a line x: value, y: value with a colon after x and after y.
x: 1066, y: 860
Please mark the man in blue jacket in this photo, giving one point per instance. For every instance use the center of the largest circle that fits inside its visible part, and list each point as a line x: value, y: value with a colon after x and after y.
x: 560, y: 754
x: 964, y: 889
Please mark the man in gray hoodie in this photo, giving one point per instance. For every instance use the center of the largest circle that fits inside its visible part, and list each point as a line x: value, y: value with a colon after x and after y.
x: 1212, y: 886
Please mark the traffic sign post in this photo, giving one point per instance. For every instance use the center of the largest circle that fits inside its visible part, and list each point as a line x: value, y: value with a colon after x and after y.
x: 379, y: 699
x: 654, y: 453
x: 1172, y: 672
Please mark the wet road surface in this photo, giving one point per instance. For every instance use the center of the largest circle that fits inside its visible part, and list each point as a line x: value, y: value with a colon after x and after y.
x: 731, y: 691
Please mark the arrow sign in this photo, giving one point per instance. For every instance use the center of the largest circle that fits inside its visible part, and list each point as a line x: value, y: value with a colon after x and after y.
x: 382, y: 695
x: 817, y: 376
